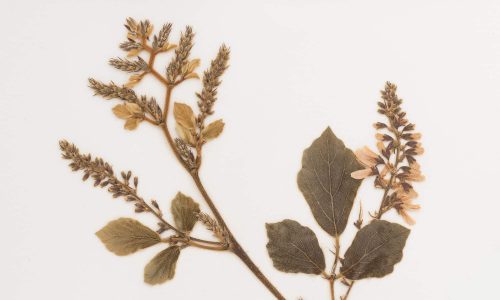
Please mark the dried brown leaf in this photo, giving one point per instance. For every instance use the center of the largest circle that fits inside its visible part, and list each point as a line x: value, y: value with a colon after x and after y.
x: 294, y: 248
x: 375, y: 250
x: 326, y: 183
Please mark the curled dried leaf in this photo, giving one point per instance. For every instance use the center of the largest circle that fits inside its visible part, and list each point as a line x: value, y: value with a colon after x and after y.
x: 185, y: 210
x: 125, y: 236
x: 162, y: 267
x: 213, y: 130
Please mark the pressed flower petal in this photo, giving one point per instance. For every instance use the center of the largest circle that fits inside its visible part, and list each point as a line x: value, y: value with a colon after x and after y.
x: 410, y: 206
x: 366, y: 157
x: 406, y: 217
x: 361, y: 174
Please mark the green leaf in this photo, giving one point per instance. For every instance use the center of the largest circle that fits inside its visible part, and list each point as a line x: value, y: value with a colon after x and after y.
x: 294, y: 248
x: 125, y: 236
x: 326, y: 183
x: 184, y: 210
x: 375, y: 250
x: 162, y: 267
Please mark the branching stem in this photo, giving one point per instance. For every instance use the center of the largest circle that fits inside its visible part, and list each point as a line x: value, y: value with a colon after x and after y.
x: 234, y: 246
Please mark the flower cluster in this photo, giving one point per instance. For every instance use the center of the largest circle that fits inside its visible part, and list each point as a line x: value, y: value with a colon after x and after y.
x: 395, y: 166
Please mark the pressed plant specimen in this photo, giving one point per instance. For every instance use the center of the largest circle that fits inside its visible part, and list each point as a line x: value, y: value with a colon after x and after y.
x: 125, y: 236
x: 329, y: 180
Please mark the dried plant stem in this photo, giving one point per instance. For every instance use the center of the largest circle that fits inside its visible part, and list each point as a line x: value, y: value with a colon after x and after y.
x: 193, y: 241
x: 103, y: 175
x: 348, y: 291
x: 198, y: 243
x: 234, y: 246
x: 332, y: 278
x: 389, y: 186
x: 332, y: 288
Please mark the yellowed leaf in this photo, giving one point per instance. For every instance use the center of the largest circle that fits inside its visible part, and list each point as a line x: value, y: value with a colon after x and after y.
x: 185, y: 134
x: 133, y: 108
x: 184, y: 115
x: 121, y: 111
x: 168, y: 47
x: 134, y: 80
x: 132, y: 123
x: 192, y: 75
x: 192, y: 65
x: 133, y: 52
x: 213, y: 130
x: 149, y: 30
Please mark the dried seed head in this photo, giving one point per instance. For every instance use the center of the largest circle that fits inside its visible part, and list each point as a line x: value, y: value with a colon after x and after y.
x: 140, y: 65
x: 211, y: 81
x: 181, y: 56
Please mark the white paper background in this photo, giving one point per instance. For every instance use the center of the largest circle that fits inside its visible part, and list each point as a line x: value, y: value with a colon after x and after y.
x: 296, y: 67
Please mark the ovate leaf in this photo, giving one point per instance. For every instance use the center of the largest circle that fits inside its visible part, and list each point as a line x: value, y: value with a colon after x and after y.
x: 162, y: 267
x: 326, y: 183
x: 294, y: 248
x: 213, y: 130
x: 184, y: 210
x: 184, y: 115
x: 375, y: 250
x: 125, y: 236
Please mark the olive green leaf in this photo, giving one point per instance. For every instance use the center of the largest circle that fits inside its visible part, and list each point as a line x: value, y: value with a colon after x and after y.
x: 184, y: 210
x: 375, y: 250
x: 162, y: 267
x: 213, y: 130
x: 326, y: 183
x: 125, y: 236
x: 294, y: 248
